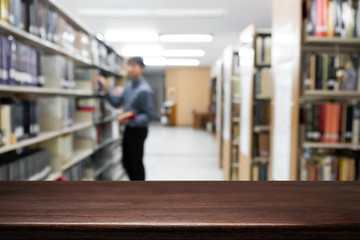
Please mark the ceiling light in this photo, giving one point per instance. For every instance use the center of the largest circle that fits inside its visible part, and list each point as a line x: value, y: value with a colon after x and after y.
x: 184, y: 53
x: 186, y: 38
x: 155, y: 61
x: 182, y: 62
x: 131, y: 36
x: 142, y: 51
x: 154, y: 13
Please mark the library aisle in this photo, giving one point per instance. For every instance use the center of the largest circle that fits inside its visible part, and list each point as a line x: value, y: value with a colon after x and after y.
x: 180, y: 153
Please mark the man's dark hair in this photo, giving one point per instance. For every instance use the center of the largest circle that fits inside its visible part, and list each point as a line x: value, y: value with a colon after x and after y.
x: 138, y: 60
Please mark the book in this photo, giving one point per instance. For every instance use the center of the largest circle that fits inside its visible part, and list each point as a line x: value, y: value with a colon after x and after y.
x: 264, y: 145
x: 335, y: 166
x: 331, y: 72
x: 321, y: 29
x: 332, y: 124
x: 4, y: 10
x: 356, y: 124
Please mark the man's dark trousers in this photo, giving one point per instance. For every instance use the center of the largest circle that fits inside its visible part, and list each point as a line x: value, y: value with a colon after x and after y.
x: 133, y: 152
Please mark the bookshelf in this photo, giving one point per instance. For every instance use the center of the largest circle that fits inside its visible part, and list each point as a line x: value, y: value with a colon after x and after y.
x: 313, y: 66
x: 256, y: 96
x: 217, y: 70
x: 82, y: 55
x: 231, y: 112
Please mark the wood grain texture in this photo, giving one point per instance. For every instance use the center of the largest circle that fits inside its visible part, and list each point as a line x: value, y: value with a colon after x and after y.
x: 179, y: 210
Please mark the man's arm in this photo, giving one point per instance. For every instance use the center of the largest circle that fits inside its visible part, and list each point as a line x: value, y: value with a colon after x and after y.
x: 144, y: 118
x: 115, y: 101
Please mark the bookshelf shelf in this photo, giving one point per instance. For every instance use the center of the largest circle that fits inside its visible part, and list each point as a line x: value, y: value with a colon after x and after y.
x: 42, y: 44
x: 76, y: 127
x: 349, y: 146
x: 235, y: 142
x: 351, y: 42
x: 261, y: 128
x: 260, y: 159
x: 77, y: 157
x: 44, y: 137
x: 236, y: 119
x: 44, y: 91
x: 319, y: 94
x: 106, y: 142
x: 262, y: 98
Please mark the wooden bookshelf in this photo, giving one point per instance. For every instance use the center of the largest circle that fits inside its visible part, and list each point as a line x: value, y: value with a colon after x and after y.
x: 290, y: 145
x: 248, y: 130
x: 217, y: 72
x: 231, y: 107
x: 49, y: 48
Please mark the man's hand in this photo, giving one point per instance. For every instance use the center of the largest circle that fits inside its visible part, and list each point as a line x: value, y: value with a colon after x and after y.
x: 103, y: 83
x: 124, y: 118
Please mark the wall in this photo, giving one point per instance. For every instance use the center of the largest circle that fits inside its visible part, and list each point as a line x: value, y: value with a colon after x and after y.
x: 157, y: 81
x: 192, y: 91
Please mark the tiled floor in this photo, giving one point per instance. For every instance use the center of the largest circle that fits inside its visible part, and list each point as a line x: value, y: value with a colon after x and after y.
x: 176, y: 153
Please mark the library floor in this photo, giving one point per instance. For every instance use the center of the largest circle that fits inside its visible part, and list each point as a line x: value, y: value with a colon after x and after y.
x: 177, y: 153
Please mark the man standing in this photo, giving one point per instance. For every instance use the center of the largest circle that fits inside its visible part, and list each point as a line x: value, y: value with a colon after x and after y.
x: 138, y: 102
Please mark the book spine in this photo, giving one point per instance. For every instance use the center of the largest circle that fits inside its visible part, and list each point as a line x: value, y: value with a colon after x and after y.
x: 356, y: 124
x: 321, y: 18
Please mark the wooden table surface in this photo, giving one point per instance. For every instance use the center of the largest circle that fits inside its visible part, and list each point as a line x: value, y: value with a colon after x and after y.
x: 179, y: 210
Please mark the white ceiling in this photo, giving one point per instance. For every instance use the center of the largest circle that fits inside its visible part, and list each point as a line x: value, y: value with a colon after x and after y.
x: 225, y: 30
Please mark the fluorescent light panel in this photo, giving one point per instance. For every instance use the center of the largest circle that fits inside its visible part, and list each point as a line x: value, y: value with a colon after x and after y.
x: 160, y: 61
x: 131, y: 36
x: 154, y: 13
x: 184, y: 53
x: 186, y: 38
x: 131, y: 51
x: 182, y: 62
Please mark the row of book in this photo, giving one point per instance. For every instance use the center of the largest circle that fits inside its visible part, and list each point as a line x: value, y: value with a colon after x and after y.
x: 261, y: 111
x: 334, y: 72
x: 39, y: 19
x: 58, y: 71
x: 261, y: 144
x: 105, y: 56
x: 19, y: 63
x: 18, y: 120
x: 333, y: 18
x: 329, y: 167
x: 331, y: 122
x: 263, y: 50
x: 263, y: 83
x: 260, y: 171
x: 56, y: 113
x: 32, y: 164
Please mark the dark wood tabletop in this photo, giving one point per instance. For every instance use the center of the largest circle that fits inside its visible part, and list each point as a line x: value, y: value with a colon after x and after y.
x: 179, y: 210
